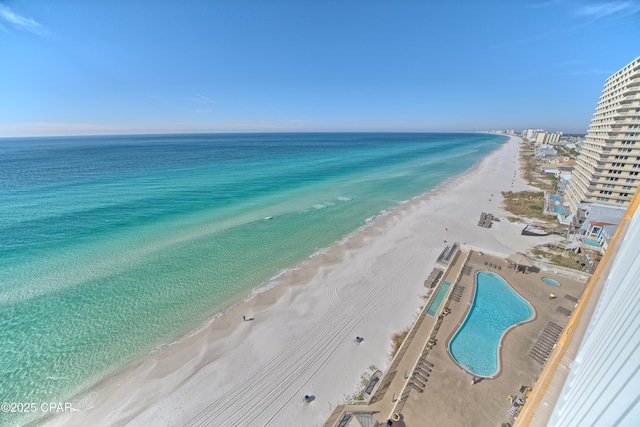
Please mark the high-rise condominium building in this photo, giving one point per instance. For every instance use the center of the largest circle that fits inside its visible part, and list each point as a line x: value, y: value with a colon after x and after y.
x: 608, y: 168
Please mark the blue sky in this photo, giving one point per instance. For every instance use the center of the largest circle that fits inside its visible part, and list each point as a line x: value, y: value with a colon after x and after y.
x: 95, y: 67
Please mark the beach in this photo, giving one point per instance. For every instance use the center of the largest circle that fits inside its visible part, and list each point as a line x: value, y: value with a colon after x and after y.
x: 254, y: 364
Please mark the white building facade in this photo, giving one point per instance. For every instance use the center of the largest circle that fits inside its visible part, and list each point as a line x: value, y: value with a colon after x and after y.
x: 608, y: 168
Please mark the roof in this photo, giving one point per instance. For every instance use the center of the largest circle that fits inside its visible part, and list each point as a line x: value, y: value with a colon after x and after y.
x: 520, y: 259
x: 362, y: 420
x: 601, y: 223
x: 601, y: 215
x: 597, y: 209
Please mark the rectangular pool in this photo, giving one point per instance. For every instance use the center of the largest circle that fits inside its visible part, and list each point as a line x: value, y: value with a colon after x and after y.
x: 561, y: 210
x: 556, y: 198
x: 435, y: 304
x: 591, y: 242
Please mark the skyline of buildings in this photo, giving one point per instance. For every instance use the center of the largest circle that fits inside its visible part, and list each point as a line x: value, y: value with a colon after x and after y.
x: 607, y: 170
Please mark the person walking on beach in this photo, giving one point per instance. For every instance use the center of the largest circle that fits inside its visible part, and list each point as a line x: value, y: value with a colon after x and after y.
x: 244, y: 319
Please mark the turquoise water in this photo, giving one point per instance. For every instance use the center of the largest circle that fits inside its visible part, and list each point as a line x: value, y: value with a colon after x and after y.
x: 590, y: 242
x: 496, y: 308
x: 556, y: 198
x: 435, y: 304
x: 111, y: 247
x: 550, y: 281
x: 561, y: 210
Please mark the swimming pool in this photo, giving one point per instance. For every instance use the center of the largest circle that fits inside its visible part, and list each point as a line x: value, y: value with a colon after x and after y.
x: 591, y: 242
x: 496, y: 307
x: 433, y: 307
x: 556, y: 198
x: 550, y: 281
x: 561, y: 210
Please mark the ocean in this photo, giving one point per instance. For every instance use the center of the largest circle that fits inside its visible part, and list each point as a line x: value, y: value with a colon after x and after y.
x: 112, y: 247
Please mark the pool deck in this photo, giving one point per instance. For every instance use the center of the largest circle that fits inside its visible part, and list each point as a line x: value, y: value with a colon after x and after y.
x: 449, y: 397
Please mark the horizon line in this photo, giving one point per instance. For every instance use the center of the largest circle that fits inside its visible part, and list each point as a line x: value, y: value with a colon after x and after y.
x: 265, y: 132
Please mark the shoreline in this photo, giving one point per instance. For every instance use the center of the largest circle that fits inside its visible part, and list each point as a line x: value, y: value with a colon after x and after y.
x: 161, y: 382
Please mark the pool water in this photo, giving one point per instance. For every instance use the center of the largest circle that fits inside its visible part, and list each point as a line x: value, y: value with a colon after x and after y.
x: 561, y: 210
x: 435, y: 304
x: 496, y: 308
x: 556, y: 198
x: 591, y: 242
x: 550, y: 281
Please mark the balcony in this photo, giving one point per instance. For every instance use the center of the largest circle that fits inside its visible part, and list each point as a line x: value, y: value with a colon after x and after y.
x: 597, y: 143
x: 590, y: 160
x: 625, y: 138
x: 628, y: 106
x: 583, y: 181
x: 628, y: 114
x: 591, y: 150
x: 620, y: 137
x: 591, y: 129
x: 604, y: 113
x: 604, y: 123
x: 608, y: 102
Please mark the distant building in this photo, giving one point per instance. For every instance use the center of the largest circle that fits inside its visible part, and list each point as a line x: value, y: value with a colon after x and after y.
x: 607, y: 170
x: 562, y: 160
x: 531, y: 134
x: 545, y: 152
x: 548, y: 138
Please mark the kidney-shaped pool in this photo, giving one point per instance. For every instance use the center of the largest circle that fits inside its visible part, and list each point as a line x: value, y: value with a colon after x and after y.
x: 496, y: 307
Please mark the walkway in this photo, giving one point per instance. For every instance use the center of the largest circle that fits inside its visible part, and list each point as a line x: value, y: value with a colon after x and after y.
x: 410, y: 370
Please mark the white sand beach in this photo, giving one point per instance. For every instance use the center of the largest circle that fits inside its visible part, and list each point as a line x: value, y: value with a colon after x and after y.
x: 300, y: 336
